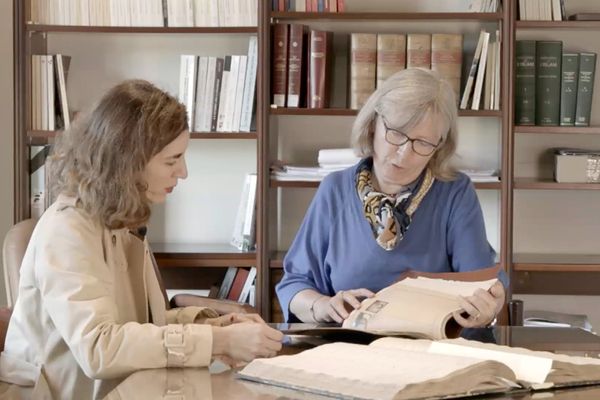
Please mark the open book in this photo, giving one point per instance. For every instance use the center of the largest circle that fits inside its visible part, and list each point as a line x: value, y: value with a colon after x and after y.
x: 417, y: 307
x: 401, y: 368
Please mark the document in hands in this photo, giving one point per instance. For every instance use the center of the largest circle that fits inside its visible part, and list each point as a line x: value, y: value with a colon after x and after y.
x: 419, y: 307
x: 400, y: 368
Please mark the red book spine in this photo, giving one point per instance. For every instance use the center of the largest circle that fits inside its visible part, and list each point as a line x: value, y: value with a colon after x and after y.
x: 309, y: 6
x: 318, y: 79
x: 280, y: 57
x: 238, y: 284
x: 295, y: 52
x: 341, y: 5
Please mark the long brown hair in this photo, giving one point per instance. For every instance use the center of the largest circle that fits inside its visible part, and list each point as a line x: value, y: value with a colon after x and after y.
x: 100, y: 160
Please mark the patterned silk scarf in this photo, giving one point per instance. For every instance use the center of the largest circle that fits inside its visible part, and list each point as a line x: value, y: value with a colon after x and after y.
x: 389, y: 216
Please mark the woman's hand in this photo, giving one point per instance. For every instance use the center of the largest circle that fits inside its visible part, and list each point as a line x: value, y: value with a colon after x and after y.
x: 233, y: 318
x: 245, y: 341
x: 327, y: 309
x: 482, y: 306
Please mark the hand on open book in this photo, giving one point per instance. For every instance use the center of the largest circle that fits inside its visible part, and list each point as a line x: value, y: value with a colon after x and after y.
x: 482, y: 306
x: 327, y: 309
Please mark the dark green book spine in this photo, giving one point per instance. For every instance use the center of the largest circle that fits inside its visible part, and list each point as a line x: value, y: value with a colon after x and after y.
x: 568, y: 88
x: 585, y: 88
x: 525, y: 83
x: 547, y: 82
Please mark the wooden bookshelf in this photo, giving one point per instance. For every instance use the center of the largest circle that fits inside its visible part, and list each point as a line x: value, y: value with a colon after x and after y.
x: 315, y: 184
x: 558, y: 130
x: 382, y: 16
x: 587, y: 25
x: 547, y: 184
x: 140, y: 29
x: 351, y: 112
x: 276, y: 260
x: 557, y: 262
x: 170, y: 255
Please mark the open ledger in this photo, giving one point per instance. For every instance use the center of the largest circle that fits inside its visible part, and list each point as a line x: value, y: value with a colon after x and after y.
x: 400, y: 368
x: 419, y: 305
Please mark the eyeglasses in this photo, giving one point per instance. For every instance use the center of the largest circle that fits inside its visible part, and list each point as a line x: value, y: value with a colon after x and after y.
x: 397, y: 138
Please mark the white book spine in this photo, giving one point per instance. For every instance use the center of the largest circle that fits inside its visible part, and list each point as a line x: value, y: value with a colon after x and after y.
x: 223, y: 95
x: 472, y: 73
x: 36, y: 85
x: 237, y: 238
x: 231, y: 91
x: 200, y: 111
x: 497, y: 77
x: 480, y: 72
x: 249, y: 85
x: 85, y: 12
x: 50, y: 93
x: 213, y: 12
x: 247, y: 285
x: 44, y: 91
x: 239, y: 94
x: 250, y: 216
x: 209, y: 94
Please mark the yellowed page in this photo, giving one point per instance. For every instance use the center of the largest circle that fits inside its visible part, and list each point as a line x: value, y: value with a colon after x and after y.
x: 529, y: 366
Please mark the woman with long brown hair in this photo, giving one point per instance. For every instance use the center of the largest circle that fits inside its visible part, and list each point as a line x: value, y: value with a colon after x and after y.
x: 90, y: 306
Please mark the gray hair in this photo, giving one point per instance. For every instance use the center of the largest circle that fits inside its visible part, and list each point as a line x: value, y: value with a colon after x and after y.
x: 406, y: 98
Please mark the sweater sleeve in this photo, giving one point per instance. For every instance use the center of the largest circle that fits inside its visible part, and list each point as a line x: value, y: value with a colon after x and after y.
x: 76, y: 286
x: 468, y: 247
x: 304, y: 264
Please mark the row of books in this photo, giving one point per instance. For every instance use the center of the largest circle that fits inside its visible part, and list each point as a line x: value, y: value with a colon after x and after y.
x: 239, y: 284
x: 244, y: 230
x: 175, y: 13
x: 553, y: 87
x: 49, y: 105
x: 302, y: 63
x: 220, y: 93
x: 484, y: 6
x: 542, y: 10
x: 484, y: 75
x: 309, y: 5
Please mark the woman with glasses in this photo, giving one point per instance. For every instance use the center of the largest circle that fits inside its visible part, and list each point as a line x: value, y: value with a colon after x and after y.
x: 402, y: 207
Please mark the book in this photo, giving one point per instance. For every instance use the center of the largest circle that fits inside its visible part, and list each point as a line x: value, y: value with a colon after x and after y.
x: 61, y: 65
x: 295, y: 62
x: 525, y: 82
x: 238, y: 284
x: 280, y: 59
x: 319, y: 76
x: 568, y: 88
x: 363, y: 63
x: 400, y: 368
x: 227, y: 282
x: 418, y: 50
x: 391, y: 55
x: 446, y: 58
x: 472, y: 72
x: 585, y: 88
x: 547, y: 82
x: 387, y: 312
x: 480, y: 72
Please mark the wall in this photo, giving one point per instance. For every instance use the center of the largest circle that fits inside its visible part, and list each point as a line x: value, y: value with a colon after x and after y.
x: 6, y: 125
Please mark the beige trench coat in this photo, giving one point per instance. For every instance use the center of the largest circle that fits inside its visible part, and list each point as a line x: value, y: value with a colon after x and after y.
x: 87, y: 295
